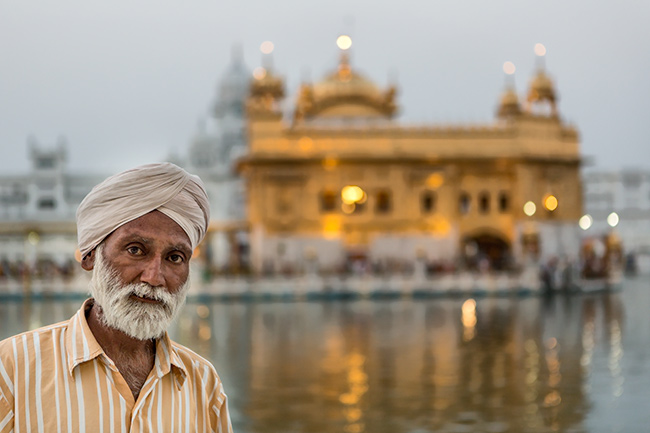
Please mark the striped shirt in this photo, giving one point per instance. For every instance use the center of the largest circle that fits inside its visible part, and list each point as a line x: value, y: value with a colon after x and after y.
x: 58, y: 379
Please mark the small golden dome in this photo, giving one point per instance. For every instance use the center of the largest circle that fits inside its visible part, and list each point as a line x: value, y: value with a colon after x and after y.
x: 266, y: 91
x: 541, y: 88
x: 509, y: 103
x: 345, y: 87
x: 266, y: 82
x: 509, y: 97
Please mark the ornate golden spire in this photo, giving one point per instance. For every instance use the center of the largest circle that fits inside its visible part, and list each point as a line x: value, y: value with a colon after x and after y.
x: 541, y: 99
x: 509, y: 102
x: 266, y: 89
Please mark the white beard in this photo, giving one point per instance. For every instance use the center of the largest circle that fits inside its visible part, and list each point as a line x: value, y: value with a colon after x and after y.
x: 139, y: 320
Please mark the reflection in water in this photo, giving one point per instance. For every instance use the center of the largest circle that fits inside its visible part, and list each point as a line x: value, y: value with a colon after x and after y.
x: 454, y: 365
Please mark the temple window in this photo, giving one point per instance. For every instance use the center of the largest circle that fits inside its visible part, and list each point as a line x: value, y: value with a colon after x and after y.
x: 45, y: 162
x: 46, y: 203
x: 384, y: 202
x: 464, y: 203
x: 484, y: 202
x: 328, y: 201
x: 428, y: 202
x: 504, y: 202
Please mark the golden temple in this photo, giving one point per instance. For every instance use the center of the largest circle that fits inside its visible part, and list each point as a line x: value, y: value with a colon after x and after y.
x: 344, y: 181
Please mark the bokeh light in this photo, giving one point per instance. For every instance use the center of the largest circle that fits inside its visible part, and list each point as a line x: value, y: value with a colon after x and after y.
x: 33, y: 238
x: 203, y: 311
x: 585, y: 222
x: 348, y: 208
x: 613, y: 219
x: 344, y: 42
x: 540, y: 50
x: 550, y: 202
x: 469, y: 319
x: 435, y: 180
x: 305, y: 143
x: 352, y: 194
x: 530, y: 208
x: 259, y: 73
x: 469, y: 312
x: 267, y: 47
x: 509, y: 68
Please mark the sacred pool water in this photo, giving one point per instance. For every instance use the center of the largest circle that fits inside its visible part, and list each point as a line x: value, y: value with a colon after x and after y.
x: 574, y: 363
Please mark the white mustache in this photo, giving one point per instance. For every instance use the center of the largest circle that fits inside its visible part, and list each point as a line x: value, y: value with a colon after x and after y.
x: 144, y: 290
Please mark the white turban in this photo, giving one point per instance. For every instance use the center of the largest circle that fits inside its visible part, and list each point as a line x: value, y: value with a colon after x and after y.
x: 133, y: 193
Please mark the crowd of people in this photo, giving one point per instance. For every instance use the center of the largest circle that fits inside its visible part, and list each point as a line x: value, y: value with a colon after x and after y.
x: 42, y: 269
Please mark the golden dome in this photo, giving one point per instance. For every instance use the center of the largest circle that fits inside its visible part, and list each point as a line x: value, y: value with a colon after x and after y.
x: 266, y: 82
x: 509, y: 103
x: 266, y: 90
x: 345, y: 93
x: 509, y: 97
x: 541, y: 100
x: 541, y: 88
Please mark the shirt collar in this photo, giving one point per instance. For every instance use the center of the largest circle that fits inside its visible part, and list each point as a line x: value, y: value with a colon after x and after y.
x: 80, y: 343
x: 81, y: 346
x: 166, y: 358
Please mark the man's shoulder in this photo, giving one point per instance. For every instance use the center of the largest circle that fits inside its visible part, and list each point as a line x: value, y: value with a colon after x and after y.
x: 7, y: 345
x: 191, y: 358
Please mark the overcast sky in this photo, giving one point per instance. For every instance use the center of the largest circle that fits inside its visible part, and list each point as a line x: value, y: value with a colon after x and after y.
x: 127, y: 81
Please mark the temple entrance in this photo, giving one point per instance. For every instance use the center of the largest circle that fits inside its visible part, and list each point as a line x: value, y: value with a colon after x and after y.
x: 357, y: 262
x: 486, y: 251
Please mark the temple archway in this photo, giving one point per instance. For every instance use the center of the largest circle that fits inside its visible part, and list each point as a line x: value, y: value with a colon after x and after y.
x: 486, y: 249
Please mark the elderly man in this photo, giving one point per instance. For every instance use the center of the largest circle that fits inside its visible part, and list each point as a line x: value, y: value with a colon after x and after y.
x: 112, y: 366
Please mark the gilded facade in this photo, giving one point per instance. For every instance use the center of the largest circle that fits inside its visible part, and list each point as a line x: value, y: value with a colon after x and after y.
x: 344, y: 182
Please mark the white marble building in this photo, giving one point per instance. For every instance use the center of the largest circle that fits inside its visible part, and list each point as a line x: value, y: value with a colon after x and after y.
x: 213, y: 152
x: 626, y: 193
x: 37, y: 209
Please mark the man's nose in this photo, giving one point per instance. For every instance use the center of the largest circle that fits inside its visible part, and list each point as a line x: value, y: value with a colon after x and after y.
x: 152, y: 273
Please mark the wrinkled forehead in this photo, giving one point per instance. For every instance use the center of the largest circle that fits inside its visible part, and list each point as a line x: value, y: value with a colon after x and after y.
x: 153, y: 228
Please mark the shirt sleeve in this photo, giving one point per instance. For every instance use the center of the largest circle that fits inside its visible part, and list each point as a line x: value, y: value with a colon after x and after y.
x: 6, y: 393
x: 220, y: 418
x: 6, y: 415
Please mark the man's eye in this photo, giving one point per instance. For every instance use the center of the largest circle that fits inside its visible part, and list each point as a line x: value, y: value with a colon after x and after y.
x: 176, y: 258
x: 134, y: 250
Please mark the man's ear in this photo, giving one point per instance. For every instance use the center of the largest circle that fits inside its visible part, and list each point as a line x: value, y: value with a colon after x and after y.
x: 88, y: 262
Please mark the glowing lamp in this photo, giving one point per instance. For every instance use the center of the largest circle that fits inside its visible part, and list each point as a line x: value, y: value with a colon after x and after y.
x: 33, y: 238
x: 585, y: 222
x: 352, y: 194
x: 344, y: 42
x: 550, y: 203
x: 613, y: 219
x: 530, y: 208
x: 259, y: 73
x: 434, y: 180
x: 266, y: 47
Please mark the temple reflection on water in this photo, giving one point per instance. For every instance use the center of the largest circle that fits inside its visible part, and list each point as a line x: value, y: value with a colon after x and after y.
x: 501, y: 365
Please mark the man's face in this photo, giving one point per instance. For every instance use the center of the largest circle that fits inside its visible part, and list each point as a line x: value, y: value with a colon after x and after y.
x: 140, y: 275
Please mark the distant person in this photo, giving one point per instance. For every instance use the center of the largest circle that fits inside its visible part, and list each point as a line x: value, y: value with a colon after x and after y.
x: 112, y: 366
